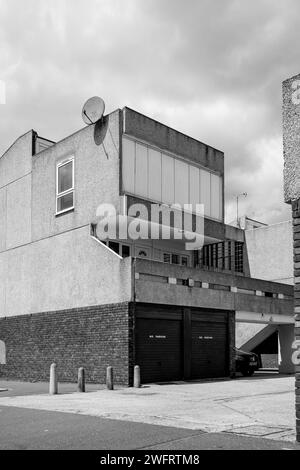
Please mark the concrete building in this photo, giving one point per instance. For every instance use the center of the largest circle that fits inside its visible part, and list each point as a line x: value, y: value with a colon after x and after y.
x: 270, y: 257
x: 70, y: 297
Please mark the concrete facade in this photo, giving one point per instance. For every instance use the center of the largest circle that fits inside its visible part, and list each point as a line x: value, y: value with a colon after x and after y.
x: 270, y: 257
x: 55, y: 272
x: 270, y: 252
x: 96, y: 164
x: 15, y: 193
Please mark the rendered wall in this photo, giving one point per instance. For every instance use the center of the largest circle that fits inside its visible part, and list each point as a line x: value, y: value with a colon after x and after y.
x: 270, y: 252
x: 15, y: 194
x: 70, y: 270
x: 96, y: 153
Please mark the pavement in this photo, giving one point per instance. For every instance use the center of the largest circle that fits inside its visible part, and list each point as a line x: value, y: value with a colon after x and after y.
x: 257, y: 407
x: 10, y: 388
x: 24, y: 429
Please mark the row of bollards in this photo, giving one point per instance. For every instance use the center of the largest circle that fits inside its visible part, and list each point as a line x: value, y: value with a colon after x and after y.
x: 53, y: 384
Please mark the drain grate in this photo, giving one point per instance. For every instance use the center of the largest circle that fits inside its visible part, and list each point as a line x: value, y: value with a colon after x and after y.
x: 257, y: 430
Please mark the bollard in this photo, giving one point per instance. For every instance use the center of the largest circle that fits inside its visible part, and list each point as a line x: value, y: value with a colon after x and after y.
x: 137, y: 377
x: 110, y: 378
x: 53, y: 389
x: 81, y: 380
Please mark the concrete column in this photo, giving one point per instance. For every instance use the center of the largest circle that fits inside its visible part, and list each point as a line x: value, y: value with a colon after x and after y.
x: 53, y: 387
x: 137, y: 377
x: 81, y: 380
x: 285, y: 340
x: 109, y: 378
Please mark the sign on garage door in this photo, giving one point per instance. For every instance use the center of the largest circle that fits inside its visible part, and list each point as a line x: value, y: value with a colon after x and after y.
x: 209, y: 348
x: 159, y: 349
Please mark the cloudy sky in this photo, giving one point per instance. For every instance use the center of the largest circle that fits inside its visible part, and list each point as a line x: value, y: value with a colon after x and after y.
x: 209, y: 68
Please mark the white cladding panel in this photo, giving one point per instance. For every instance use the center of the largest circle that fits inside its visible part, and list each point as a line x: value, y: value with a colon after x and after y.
x: 215, y: 196
x: 128, y: 168
x: 151, y: 174
x: 194, y: 185
x: 154, y: 174
x: 181, y: 182
x: 168, y: 186
x: 205, y: 191
x: 141, y: 171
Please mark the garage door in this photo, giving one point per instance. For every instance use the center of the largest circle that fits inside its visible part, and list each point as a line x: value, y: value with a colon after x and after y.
x: 209, y: 348
x: 159, y: 349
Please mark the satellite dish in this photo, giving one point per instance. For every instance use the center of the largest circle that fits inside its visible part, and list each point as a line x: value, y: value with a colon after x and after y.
x: 93, y: 110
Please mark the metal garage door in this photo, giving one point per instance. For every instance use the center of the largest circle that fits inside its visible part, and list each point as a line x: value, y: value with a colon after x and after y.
x: 209, y: 346
x: 159, y: 349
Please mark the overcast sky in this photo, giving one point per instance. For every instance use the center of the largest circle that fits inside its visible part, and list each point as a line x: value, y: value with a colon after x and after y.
x: 209, y: 68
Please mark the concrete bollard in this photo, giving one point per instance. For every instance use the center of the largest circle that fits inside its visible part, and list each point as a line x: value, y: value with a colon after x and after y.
x: 110, y: 378
x: 53, y: 388
x: 137, y: 377
x: 81, y: 380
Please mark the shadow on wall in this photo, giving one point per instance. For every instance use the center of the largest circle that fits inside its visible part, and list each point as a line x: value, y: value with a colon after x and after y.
x: 2, y: 353
x: 100, y: 130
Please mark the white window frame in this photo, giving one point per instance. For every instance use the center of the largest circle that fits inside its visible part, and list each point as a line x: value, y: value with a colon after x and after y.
x: 68, y: 191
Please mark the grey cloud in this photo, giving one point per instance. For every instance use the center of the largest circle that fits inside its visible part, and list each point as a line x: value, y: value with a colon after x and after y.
x: 212, y: 69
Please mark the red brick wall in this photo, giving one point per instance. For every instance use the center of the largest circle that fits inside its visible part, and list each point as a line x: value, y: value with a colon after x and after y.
x: 91, y: 337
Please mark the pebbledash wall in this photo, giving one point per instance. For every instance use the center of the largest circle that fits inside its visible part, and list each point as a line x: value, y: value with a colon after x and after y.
x: 91, y: 337
x: 291, y: 151
x: 296, y: 230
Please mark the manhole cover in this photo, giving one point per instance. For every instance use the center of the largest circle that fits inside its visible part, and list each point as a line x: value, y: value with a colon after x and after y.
x: 257, y: 430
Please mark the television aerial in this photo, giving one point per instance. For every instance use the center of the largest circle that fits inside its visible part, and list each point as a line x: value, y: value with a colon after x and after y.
x: 93, y: 110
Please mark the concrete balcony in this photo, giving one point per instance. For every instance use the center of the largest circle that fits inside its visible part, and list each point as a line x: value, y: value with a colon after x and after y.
x: 253, y: 300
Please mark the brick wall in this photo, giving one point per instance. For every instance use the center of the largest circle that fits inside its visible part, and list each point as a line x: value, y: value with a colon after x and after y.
x: 231, y: 335
x: 91, y: 337
x: 296, y: 231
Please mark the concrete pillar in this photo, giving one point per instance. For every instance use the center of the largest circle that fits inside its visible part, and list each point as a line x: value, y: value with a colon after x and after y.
x: 285, y: 340
x: 110, y: 378
x: 81, y: 380
x: 53, y: 388
x: 137, y: 377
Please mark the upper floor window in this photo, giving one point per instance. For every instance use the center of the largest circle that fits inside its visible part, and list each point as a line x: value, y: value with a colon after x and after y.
x: 65, y: 186
x: 172, y: 258
x: 161, y: 177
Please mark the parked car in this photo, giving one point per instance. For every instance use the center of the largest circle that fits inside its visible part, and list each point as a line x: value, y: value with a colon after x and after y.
x: 246, y: 362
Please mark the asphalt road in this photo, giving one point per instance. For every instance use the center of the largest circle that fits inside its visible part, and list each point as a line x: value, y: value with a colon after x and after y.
x: 24, y: 429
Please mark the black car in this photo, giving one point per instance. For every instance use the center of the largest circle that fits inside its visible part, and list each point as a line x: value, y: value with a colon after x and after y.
x: 246, y: 362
